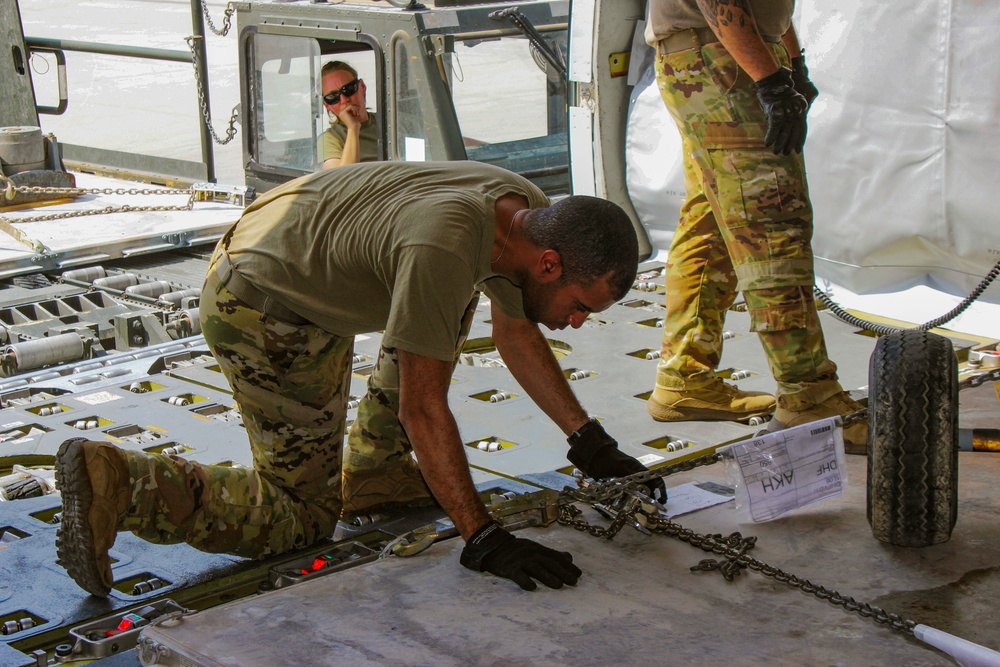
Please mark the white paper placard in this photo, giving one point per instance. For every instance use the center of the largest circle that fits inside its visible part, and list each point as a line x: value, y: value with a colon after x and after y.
x: 788, y: 469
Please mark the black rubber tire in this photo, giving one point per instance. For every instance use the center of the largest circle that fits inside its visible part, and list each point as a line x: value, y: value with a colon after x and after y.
x: 913, y: 439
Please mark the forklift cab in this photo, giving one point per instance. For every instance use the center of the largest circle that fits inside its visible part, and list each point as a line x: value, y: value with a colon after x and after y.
x: 426, y: 72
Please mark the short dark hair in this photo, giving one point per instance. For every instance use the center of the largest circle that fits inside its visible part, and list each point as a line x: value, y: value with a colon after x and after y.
x: 594, y: 238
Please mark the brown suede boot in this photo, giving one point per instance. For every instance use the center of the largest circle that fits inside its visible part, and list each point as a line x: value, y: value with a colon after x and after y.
x: 398, y: 484
x: 831, y: 401
x: 718, y: 401
x: 94, y: 481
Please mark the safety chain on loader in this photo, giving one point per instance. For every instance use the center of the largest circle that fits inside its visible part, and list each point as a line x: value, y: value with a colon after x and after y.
x: 209, y: 192
x: 227, y: 18
x: 632, y: 507
x: 39, y: 247
x: 206, y: 113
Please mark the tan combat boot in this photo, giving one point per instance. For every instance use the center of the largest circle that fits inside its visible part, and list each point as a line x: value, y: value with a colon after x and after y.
x: 825, y: 399
x: 397, y: 484
x: 94, y: 481
x: 717, y: 401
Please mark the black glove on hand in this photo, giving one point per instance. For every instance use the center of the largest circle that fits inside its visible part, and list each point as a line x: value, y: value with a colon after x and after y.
x: 800, y: 76
x: 492, y: 549
x: 596, y: 453
x: 786, y: 112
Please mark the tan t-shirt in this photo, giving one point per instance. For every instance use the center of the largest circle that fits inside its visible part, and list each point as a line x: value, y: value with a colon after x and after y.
x: 399, y: 246
x: 334, y: 138
x: 665, y: 17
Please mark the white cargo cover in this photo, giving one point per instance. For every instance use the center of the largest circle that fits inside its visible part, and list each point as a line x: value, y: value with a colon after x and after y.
x: 902, y: 149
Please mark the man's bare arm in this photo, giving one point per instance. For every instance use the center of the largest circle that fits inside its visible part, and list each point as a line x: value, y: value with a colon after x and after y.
x: 791, y: 41
x: 733, y: 23
x: 431, y: 427
x: 531, y: 362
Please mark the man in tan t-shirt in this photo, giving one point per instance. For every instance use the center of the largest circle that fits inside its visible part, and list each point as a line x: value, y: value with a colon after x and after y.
x: 397, y: 247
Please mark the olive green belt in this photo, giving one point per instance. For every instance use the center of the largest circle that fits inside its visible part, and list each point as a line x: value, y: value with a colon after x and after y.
x: 252, y: 295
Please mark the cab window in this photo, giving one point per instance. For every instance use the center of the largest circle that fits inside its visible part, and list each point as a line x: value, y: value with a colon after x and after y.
x: 525, y: 131
x: 287, y: 116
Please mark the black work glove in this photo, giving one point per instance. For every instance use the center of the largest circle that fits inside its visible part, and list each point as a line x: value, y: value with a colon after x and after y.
x: 800, y: 76
x: 596, y: 453
x: 785, y: 110
x: 492, y: 549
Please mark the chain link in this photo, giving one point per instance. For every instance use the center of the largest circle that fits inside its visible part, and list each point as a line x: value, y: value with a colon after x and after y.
x: 969, y: 382
x: 733, y: 548
x: 602, y: 492
x: 227, y: 18
x: 203, y: 101
x: 41, y: 249
x: 76, y: 192
x: 124, y: 208
x: 980, y: 379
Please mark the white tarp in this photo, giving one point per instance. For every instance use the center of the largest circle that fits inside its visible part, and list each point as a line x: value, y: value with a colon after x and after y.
x: 903, y: 143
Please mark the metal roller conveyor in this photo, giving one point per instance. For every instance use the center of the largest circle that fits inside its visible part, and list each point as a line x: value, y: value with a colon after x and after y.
x: 87, y: 275
x: 118, y: 281
x: 175, y: 298
x: 31, y: 354
x: 152, y: 289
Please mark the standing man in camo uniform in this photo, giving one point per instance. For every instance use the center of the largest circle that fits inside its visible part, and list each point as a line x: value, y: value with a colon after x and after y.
x: 735, y: 81
x: 403, y: 248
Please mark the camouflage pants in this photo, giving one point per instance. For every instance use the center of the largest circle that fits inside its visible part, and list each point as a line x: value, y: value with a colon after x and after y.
x: 291, y: 384
x: 746, y: 225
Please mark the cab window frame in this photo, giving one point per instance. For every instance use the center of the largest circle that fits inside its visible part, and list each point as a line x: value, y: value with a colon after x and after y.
x: 330, y: 46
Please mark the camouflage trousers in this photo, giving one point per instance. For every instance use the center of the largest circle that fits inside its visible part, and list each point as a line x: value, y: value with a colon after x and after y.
x: 291, y: 384
x: 746, y: 225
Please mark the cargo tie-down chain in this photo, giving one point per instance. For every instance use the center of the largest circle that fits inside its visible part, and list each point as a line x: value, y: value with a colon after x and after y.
x: 972, y: 381
x: 976, y: 380
x: 621, y: 495
x: 10, y: 190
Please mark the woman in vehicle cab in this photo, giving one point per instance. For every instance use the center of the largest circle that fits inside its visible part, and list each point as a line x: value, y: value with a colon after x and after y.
x: 352, y: 136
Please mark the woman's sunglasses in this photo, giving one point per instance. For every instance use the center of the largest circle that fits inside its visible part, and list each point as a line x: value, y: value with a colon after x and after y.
x: 334, y: 95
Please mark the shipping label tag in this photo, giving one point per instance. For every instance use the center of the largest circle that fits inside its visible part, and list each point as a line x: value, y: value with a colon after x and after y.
x: 789, y: 469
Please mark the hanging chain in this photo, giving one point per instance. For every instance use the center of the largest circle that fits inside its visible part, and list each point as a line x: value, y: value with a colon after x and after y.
x: 631, y: 508
x: 203, y: 102
x: 227, y: 18
x: 206, y: 113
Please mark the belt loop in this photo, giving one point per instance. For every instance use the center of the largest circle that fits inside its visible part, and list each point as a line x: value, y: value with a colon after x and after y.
x: 227, y: 273
x: 695, y: 40
x: 264, y: 309
x: 224, y: 279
